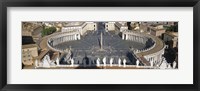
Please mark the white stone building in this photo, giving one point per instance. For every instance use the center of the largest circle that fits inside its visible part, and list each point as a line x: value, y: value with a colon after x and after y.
x: 82, y: 27
x: 172, y: 38
x: 118, y: 26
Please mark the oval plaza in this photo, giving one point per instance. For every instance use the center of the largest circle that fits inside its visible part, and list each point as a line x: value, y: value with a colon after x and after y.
x: 104, y: 45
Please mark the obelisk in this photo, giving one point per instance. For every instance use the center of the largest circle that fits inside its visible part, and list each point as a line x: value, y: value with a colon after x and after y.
x: 101, y: 41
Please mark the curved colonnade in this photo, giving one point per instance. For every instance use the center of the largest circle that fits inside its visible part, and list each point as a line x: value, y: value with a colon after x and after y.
x: 151, y: 55
x: 155, y: 47
x: 61, y: 37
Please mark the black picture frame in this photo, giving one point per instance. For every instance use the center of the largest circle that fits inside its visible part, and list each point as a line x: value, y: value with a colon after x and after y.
x: 100, y: 3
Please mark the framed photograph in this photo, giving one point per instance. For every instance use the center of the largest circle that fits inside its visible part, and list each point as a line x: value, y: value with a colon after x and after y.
x: 90, y: 45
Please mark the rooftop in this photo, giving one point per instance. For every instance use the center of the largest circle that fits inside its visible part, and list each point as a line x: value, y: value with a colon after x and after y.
x: 73, y: 24
x: 29, y: 46
x: 173, y: 34
x: 158, y: 46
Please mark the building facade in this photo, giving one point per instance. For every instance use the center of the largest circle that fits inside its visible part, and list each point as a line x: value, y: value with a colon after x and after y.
x: 171, y: 38
x: 29, y: 52
x: 82, y: 27
x: 110, y: 26
x: 117, y: 26
x: 157, y: 30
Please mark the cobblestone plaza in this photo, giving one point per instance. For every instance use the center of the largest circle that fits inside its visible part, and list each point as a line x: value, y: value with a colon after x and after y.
x: 113, y: 47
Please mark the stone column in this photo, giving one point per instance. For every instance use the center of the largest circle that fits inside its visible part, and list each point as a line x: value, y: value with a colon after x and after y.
x: 122, y: 36
x: 137, y: 63
x: 65, y: 38
x: 161, y: 56
x: 126, y: 36
x: 90, y: 62
x: 138, y: 39
x: 124, y: 62
x: 174, y: 64
x: 119, y: 62
x: 104, y: 61
x: 111, y: 62
x: 36, y: 63
x: 75, y: 37
x: 52, y: 43
x: 151, y: 63
x: 79, y: 36
x: 98, y: 63
x: 84, y: 63
x: 57, y: 62
x: 132, y: 37
x: 135, y: 38
x: 142, y: 40
x: 154, y: 60
x: 72, y: 62
x: 169, y: 66
x: 150, y: 59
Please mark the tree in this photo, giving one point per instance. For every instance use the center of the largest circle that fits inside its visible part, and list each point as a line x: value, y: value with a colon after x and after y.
x: 172, y: 28
x: 48, y: 31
